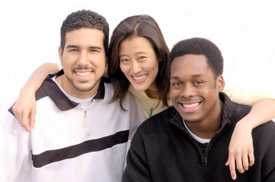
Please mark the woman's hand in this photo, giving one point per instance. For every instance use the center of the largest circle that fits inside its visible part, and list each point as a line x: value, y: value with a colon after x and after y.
x: 24, y: 109
x: 241, y: 151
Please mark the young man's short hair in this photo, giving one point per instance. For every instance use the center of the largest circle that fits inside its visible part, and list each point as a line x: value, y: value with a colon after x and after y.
x: 85, y: 19
x: 200, y: 46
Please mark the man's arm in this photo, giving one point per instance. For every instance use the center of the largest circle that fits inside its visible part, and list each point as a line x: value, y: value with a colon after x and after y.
x: 137, y: 169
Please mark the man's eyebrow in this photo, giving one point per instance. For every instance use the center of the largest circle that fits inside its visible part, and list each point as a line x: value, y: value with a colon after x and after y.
x: 71, y: 46
x: 193, y: 76
x: 95, y: 47
x: 174, y: 78
x: 90, y: 47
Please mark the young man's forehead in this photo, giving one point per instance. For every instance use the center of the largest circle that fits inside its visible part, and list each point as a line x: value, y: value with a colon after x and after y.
x: 90, y: 36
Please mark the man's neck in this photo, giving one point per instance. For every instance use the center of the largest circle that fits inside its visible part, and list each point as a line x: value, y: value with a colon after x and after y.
x: 70, y: 90
x: 208, y: 127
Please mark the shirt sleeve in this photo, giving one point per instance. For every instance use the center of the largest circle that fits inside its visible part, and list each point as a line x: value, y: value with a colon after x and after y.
x: 15, y: 158
x: 137, y: 169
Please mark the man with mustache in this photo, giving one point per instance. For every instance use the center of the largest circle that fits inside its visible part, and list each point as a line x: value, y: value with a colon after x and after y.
x: 80, y: 135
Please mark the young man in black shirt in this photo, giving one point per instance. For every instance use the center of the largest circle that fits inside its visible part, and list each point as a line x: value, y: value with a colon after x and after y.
x: 189, y: 141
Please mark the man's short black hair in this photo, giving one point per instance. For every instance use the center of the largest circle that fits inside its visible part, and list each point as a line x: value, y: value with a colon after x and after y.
x: 200, y: 46
x: 85, y: 19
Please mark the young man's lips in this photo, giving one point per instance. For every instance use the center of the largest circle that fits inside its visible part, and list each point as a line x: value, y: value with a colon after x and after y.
x: 83, y: 74
x: 190, y: 107
x: 83, y: 71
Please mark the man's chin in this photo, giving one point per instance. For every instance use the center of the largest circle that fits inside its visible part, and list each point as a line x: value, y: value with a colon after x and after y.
x: 84, y: 87
x: 190, y: 117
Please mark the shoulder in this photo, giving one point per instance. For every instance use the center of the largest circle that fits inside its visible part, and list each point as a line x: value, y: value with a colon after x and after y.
x: 233, y: 110
x: 157, y: 123
x: 267, y: 130
x: 264, y: 143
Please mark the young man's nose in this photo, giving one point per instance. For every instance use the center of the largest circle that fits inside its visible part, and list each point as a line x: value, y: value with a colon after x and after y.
x: 83, y: 57
x: 187, y: 91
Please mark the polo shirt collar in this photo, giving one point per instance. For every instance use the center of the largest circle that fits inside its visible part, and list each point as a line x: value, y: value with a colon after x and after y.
x: 59, y: 98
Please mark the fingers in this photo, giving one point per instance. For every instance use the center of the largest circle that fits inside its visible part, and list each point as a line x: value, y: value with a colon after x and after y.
x: 231, y: 163
x: 245, y: 163
x: 251, y: 157
x: 248, y: 158
x: 22, y: 117
x: 16, y: 112
x: 33, y: 113
x: 25, y: 122
x: 240, y: 161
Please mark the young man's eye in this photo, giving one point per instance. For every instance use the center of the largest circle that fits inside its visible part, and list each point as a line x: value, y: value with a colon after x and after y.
x: 94, y: 50
x: 198, y: 83
x: 73, y: 50
x: 176, y: 84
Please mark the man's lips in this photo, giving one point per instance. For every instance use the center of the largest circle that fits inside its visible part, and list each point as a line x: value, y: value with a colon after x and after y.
x: 83, y: 73
x: 189, y: 107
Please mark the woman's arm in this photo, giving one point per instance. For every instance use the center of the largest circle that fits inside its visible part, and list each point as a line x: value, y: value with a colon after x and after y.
x: 241, y: 154
x: 24, y: 107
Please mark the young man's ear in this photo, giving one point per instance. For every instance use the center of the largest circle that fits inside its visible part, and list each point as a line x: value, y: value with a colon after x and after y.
x: 60, y: 52
x: 220, y: 83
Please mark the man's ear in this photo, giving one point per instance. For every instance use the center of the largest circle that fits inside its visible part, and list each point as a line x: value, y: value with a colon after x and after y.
x: 60, y: 53
x: 220, y: 83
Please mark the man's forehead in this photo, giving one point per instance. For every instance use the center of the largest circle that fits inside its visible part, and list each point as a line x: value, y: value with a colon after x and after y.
x: 190, y: 64
x: 88, y: 36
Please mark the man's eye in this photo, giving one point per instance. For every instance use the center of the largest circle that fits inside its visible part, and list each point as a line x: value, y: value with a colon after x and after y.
x: 73, y: 50
x: 198, y: 83
x: 176, y: 84
x: 94, y: 50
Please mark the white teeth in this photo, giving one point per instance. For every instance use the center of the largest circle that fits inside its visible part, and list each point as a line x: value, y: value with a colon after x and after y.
x: 138, y: 78
x: 83, y: 72
x: 190, y: 105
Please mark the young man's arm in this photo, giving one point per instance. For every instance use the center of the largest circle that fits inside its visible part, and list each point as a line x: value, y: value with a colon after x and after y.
x: 137, y: 169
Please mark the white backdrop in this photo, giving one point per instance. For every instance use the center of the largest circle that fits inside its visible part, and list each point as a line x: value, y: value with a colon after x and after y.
x: 243, y: 29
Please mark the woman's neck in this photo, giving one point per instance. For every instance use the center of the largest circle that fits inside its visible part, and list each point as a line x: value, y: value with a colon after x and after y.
x: 152, y: 92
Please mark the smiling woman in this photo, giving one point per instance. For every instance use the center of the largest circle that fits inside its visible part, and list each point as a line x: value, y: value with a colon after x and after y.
x: 138, y: 62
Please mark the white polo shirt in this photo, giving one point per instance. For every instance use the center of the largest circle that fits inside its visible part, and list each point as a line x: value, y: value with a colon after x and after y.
x: 71, y: 142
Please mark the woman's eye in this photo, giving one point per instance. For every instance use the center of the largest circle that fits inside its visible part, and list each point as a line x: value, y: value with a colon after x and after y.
x: 124, y: 61
x: 142, y: 58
